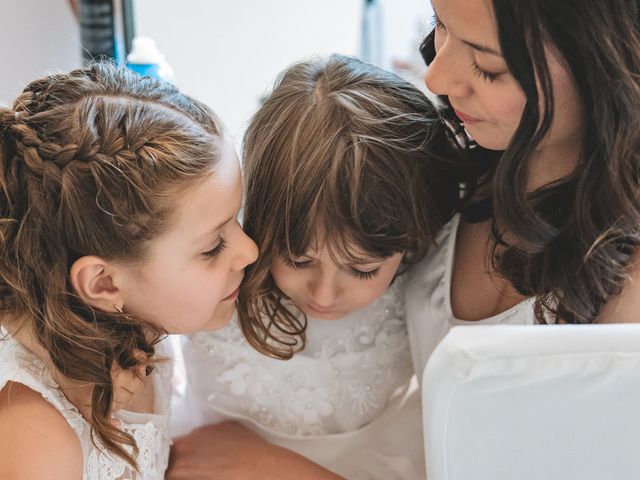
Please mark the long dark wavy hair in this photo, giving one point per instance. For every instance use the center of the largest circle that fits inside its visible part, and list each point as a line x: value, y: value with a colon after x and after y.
x: 350, y: 145
x: 578, y: 235
x: 91, y: 163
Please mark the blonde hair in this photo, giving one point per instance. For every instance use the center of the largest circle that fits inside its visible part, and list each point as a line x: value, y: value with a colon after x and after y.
x: 90, y: 164
x: 350, y: 145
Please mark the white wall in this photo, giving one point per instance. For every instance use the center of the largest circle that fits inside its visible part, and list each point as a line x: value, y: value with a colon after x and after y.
x: 37, y: 37
x: 404, y: 25
x: 227, y: 53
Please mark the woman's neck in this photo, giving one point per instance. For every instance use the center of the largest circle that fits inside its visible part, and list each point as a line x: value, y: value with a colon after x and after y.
x: 551, y: 163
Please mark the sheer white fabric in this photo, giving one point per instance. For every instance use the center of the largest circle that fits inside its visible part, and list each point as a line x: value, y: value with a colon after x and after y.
x: 151, y: 431
x: 343, y: 402
x: 428, y: 300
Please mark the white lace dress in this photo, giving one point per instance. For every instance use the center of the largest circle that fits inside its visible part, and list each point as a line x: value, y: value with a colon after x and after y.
x: 151, y: 431
x: 345, y: 402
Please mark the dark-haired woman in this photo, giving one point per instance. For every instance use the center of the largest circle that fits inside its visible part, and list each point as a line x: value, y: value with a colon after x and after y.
x: 547, y: 95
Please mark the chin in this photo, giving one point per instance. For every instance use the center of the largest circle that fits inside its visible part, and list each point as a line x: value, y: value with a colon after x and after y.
x: 489, y: 142
x: 221, y: 319
x: 324, y: 316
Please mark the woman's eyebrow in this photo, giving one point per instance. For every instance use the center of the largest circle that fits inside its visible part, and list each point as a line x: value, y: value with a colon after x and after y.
x: 482, y: 48
x: 474, y: 45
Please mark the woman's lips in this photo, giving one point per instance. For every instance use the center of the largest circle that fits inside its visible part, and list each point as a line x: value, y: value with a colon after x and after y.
x: 464, y: 118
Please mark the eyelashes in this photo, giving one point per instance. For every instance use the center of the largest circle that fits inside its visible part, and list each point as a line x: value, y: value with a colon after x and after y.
x: 294, y: 264
x: 488, y: 76
x: 479, y: 72
x: 365, y: 275
x: 217, y: 250
x: 437, y: 24
x: 356, y: 273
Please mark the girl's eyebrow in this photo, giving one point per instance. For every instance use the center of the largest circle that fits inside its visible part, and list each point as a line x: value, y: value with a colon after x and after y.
x: 359, y: 262
x: 368, y: 261
x: 216, y: 228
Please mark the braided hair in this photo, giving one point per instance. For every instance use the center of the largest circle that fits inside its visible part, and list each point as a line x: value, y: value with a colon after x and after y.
x: 90, y: 164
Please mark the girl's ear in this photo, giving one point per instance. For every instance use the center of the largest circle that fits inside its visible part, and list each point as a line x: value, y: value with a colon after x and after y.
x: 93, y: 280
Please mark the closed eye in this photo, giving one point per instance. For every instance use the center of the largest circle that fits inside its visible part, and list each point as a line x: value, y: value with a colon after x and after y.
x: 294, y: 264
x: 365, y: 275
x: 488, y: 76
x: 217, y: 250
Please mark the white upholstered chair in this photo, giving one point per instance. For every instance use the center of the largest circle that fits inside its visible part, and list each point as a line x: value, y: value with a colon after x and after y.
x: 558, y: 402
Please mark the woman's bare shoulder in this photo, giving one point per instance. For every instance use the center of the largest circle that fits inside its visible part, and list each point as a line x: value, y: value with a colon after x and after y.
x: 35, y: 439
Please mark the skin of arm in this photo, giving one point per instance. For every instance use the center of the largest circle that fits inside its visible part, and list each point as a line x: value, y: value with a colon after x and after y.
x: 229, y: 451
x: 625, y: 307
x: 36, y: 442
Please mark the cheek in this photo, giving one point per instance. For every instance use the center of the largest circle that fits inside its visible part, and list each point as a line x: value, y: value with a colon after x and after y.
x: 286, y: 279
x: 372, y: 292
x: 215, y: 285
x: 369, y: 291
x: 503, y: 117
x: 508, y: 111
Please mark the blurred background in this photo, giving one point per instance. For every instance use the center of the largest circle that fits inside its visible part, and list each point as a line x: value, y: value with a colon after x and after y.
x: 225, y: 53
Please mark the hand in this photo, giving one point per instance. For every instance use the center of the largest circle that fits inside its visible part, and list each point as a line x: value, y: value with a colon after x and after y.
x: 229, y: 451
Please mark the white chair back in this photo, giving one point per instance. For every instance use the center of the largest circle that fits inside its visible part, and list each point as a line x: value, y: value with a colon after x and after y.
x: 558, y: 402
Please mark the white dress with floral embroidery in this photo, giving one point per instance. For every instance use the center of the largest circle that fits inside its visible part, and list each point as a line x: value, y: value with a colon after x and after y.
x: 346, y: 401
x: 151, y: 431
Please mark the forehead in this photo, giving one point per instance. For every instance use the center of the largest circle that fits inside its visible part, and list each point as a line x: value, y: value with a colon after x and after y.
x: 470, y: 20
x: 213, y: 200
x: 339, y: 246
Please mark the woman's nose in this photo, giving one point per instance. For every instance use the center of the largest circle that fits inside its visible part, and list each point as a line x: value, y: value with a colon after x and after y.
x: 447, y: 74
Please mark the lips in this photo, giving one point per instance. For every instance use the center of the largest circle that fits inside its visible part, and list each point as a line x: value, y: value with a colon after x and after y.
x: 464, y: 118
x: 321, y: 310
x: 233, y: 295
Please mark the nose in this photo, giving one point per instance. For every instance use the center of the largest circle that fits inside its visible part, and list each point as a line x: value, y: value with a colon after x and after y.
x: 247, y: 251
x: 447, y: 73
x: 324, y: 289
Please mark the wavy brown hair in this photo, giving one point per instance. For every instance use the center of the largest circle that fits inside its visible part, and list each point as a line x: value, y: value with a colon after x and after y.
x: 355, y: 148
x: 576, y: 236
x: 90, y: 164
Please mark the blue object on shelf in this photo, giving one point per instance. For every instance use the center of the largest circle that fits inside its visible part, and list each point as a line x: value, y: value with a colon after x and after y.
x: 146, y: 59
x: 145, y: 69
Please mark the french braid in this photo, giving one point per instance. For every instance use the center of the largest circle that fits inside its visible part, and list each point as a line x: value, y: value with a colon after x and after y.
x: 90, y: 164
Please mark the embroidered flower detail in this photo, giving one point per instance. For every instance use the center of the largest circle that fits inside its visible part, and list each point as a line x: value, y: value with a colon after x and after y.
x: 311, y: 404
x: 243, y: 378
x: 389, y: 345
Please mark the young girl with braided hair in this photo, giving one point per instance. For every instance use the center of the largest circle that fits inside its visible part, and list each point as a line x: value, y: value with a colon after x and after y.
x: 118, y: 204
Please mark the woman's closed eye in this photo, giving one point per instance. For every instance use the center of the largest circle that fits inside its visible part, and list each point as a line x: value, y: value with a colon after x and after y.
x: 488, y: 76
